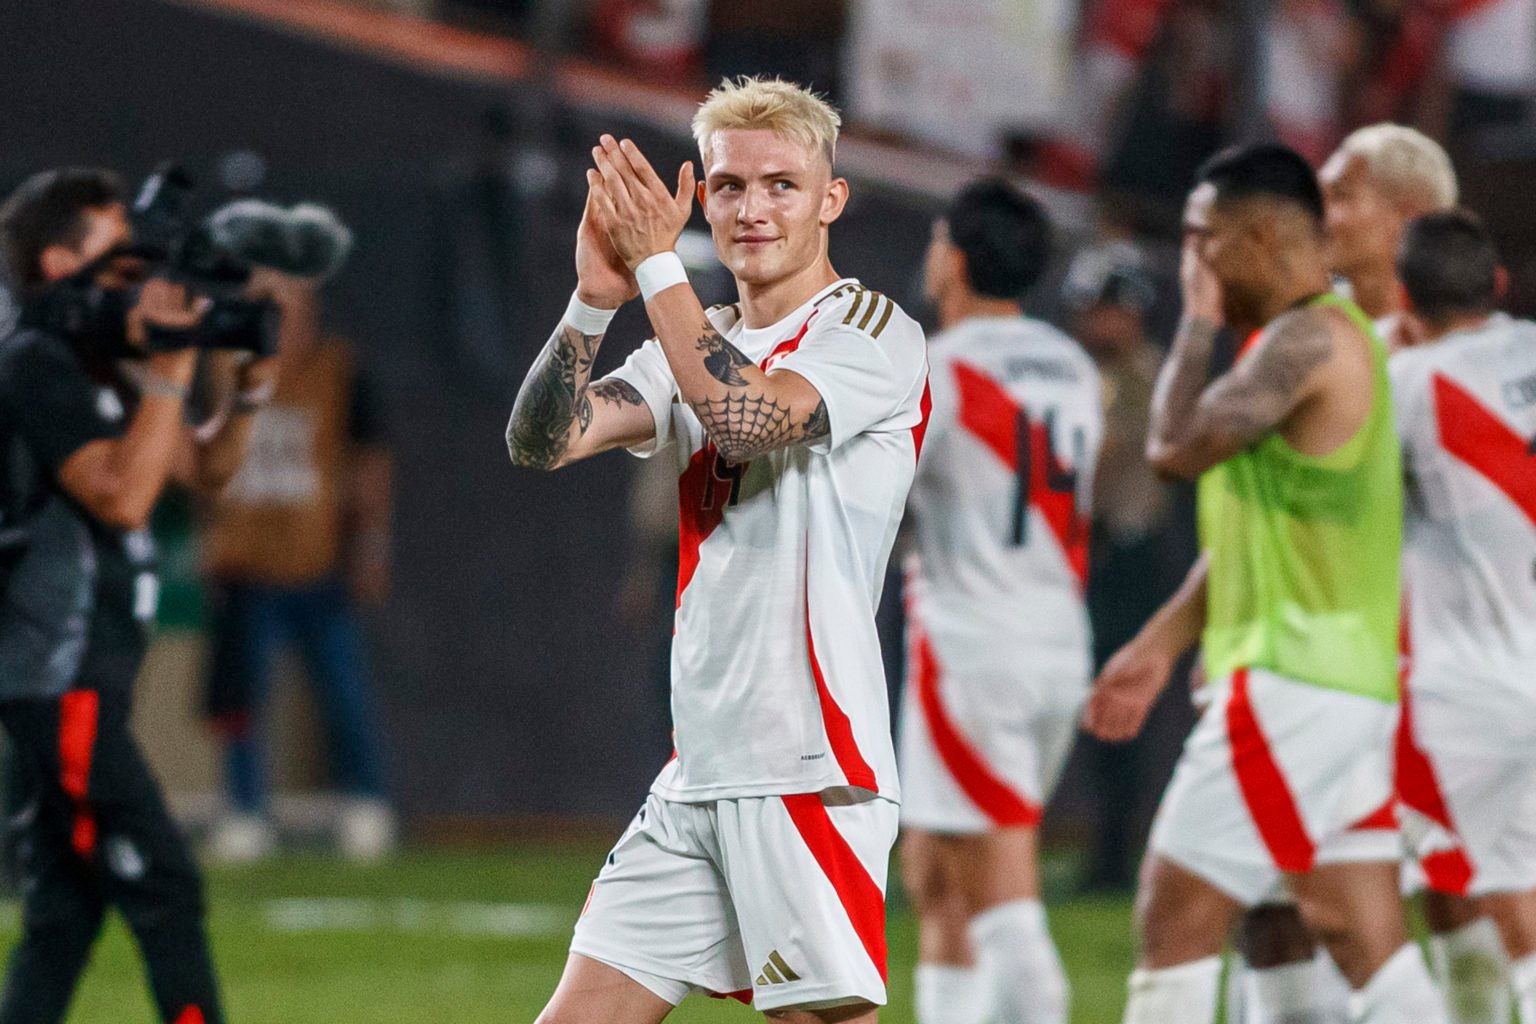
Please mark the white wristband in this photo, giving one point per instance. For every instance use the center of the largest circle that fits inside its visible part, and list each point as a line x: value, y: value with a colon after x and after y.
x: 587, y: 319
x: 657, y: 273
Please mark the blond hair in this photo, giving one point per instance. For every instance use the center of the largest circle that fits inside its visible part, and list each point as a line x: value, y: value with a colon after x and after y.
x: 1407, y: 163
x: 769, y: 104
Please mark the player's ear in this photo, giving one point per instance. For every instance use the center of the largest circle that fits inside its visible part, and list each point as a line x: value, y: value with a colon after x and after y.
x: 835, y: 199
x: 698, y: 190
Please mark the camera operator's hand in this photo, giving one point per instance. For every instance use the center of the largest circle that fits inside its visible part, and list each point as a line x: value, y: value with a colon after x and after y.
x: 602, y: 279
x: 167, y: 306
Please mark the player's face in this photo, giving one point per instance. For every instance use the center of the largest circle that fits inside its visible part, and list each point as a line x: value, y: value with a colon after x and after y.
x: 1364, y: 225
x: 768, y: 201
x: 1224, y: 239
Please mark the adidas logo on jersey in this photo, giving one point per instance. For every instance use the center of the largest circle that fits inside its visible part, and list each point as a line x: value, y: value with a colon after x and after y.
x: 776, y: 971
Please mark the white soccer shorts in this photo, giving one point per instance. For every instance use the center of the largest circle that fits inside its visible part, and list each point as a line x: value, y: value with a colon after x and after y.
x: 980, y: 754
x: 778, y: 901
x: 1470, y: 818
x: 1274, y: 779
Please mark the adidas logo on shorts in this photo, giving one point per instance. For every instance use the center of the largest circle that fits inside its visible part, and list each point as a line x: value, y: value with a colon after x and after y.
x: 776, y: 971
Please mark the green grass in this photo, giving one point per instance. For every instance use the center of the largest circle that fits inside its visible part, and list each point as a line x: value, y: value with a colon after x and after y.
x: 409, y: 963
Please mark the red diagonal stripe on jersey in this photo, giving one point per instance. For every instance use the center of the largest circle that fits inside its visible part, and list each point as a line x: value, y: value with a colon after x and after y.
x: 833, y: 719
x: 991, y: 415
x: 191, y: 1015
x: 1263, y: 785
x: 855, y: 889
x: 991, y: 795
x: 784, y: 348
x: 79, y: 711
x: 1483, y: 441
x: 701, y: 502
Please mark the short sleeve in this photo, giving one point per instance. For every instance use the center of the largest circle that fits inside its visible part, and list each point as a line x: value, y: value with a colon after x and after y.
x: 869, y: 381
x: 647, y: 371
x: 55, y: 408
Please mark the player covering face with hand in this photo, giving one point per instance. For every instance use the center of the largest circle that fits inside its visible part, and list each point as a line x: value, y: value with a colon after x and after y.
x: 793, y: 418
x: 1294, y: 599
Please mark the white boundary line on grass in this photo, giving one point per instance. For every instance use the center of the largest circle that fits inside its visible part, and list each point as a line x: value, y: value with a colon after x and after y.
x: 410, y: 916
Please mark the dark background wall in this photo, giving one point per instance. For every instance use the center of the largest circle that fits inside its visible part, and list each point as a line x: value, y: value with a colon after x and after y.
x: 509, y: 685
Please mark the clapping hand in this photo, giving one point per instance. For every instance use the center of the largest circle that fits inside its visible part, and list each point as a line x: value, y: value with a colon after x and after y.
x: 643, y: 216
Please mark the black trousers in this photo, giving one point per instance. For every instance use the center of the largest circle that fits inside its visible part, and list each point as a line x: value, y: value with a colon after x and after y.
x: 87, y: 830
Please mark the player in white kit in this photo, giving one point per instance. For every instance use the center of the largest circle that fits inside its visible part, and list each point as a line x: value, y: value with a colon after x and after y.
x: 757, y: 866
x: 999, y: 651
x: 1466, y: 408
x: 1379, y: 179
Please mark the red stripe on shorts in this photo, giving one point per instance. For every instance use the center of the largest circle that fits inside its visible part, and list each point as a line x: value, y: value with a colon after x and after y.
x: 1263, y: 785
x: 1448, y: 871
x: 191, y: 1015
x: 78, y: 714
x: 991, y: 795
x: 855, y: 889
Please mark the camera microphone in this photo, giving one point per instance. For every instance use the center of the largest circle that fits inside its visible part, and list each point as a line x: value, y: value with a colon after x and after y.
x: 306, y: 240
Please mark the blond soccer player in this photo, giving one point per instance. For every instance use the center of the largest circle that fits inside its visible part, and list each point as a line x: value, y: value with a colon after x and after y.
x: 793, y: 419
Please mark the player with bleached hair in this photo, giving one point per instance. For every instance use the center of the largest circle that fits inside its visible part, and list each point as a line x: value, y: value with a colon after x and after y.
x: 794, y: 417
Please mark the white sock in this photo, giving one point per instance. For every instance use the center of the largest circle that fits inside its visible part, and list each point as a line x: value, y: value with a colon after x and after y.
x: 1400, y: 992
x: 1522, y: 979
x: 1298, y: 993
x: 950, y: 994
x: 1185, y: 994
x: 1472, y: 968
x: 1014, y: 948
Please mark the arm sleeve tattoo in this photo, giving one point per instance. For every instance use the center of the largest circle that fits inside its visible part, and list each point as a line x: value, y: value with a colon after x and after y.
x: 1255, y: 397
x: 552, y: 398
x: 1198, y: 424
x: 746, y: 421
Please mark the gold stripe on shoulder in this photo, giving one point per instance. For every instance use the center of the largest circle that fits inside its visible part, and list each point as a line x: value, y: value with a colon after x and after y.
x: 869, y: 314
x: 851, y: 288
x: 885, y: 318
x: 858, y: 303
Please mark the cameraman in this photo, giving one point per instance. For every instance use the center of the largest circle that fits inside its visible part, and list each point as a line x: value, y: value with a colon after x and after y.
x: 91, y: 429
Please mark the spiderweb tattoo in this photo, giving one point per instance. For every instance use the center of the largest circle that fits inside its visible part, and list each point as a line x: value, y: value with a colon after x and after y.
x: 747, y: 422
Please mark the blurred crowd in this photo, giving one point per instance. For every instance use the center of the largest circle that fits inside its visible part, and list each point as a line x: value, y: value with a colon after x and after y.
x: 1066, y: 86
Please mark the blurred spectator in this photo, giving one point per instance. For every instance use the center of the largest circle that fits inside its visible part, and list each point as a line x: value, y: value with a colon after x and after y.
x: 962, y: 74
x: 1310, y: 47
x: 1136, y: 553
x: 662, y: 40
x: 1491, y: 61
x: 301, y: 533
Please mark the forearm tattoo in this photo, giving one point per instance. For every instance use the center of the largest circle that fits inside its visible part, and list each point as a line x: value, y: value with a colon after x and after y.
x: 747, y: 421
x: 722, y: 359
x: 1183, y: 377
x: 612, y: 391
x: 540, y: 429
x: 1255, y: 397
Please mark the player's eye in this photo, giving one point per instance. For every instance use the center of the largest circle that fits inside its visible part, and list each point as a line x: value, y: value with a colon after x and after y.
x: 783, y: 185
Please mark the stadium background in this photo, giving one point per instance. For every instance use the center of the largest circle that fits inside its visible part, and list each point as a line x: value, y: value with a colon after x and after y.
x: 521, y: 707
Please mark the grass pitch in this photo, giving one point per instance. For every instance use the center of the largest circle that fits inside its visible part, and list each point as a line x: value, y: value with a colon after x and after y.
x: 471, y: 938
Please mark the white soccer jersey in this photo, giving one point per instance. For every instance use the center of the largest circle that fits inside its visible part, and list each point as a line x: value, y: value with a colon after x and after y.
x: 777, y: 680
x: 1466, y: 412
x: 1001, y: 501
